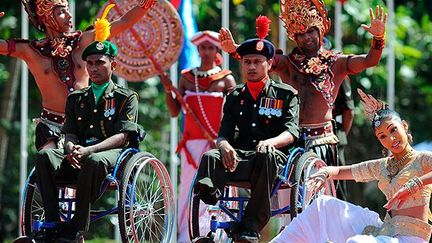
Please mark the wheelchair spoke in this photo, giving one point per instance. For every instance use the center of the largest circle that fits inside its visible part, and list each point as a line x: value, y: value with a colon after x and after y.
x: 148, y: 209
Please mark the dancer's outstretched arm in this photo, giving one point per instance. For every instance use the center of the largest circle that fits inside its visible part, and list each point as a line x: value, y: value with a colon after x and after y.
x: 123, y: 23
x: 357, y: 63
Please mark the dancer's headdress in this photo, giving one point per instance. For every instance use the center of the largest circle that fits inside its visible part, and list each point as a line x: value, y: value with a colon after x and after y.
x: 299, y: 16
x: 102, y: 31
x: 206, y: 35
x: 259, y: 45
x: 36, y: 9
x: 371, y: 107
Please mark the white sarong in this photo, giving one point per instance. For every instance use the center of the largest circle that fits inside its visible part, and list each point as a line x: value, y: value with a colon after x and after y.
x: 329, y: 219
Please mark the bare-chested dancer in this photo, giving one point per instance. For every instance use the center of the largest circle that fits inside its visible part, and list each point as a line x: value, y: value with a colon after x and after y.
x: 55, y: 61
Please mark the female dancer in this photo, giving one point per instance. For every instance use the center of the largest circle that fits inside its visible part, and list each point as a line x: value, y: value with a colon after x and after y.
x: 404, y: 177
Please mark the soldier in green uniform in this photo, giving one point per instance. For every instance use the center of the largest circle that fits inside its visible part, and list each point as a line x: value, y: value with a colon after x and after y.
x: 259, y: 125
x: 100, y: 120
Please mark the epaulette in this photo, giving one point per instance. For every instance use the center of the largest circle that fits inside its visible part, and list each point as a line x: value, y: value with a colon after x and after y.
x: 285, y: 87
x: 237, y: 89
x: 124, y: 91
x: 80, y: 91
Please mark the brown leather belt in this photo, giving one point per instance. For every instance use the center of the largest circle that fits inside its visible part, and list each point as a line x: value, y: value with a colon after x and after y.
x: 53, y: 116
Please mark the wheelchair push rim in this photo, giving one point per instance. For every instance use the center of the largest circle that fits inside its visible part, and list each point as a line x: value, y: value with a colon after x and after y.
x: 146, y: 212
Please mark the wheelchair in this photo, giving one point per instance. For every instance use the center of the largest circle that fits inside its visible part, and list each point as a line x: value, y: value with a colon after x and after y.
x: 144, y: 196
x: 230, y: 208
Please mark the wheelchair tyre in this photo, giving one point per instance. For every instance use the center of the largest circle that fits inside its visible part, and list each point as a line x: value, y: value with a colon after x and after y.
x: 32, y: 205
x: 146, y: 206
x: 300, y: 197
x: 196, y: 224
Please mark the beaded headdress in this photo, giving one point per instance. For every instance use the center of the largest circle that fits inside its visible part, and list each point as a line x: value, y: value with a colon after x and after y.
x: 299, y: 16
x: 371, y: 107
x: 36, y: 9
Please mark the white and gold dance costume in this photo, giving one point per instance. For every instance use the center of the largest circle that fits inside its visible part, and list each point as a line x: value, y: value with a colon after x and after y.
x: 331, y: 219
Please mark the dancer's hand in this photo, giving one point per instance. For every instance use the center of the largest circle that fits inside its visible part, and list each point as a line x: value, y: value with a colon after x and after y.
x: 399, y: 198
x: 378, y: 22
x: 227, y: 41
x: 316, y: 181
x: 228, y: 155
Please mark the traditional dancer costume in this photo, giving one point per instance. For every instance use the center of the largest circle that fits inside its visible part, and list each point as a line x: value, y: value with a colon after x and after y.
x: 299, y: 16
x: 59, y: 51
x: 331, y: 219
x: 198, y: 135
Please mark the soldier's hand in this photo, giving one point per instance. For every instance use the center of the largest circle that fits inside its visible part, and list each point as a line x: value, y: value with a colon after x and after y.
x: 228, y: 155
x: 80, y: 152
x: 2, y: 14
x: 265, y: 147
x: 227, y: 41
x: 73, y: 161
x: 378, y: 22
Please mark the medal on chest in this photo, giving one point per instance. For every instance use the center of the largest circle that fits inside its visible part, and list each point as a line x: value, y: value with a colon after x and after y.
x: 270, y: 106
x: 110, y: 108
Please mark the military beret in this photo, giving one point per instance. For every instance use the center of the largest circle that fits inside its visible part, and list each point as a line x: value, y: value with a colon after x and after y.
x: 256, y: 46
x: 104, y: 48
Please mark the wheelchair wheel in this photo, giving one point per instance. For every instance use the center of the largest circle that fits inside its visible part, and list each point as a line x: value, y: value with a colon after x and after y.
x: 200, y: 226
x: 32, y: 207
x: 300, y: 197
x: 146, y: 206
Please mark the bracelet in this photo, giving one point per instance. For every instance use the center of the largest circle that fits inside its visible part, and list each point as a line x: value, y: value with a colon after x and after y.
x: 326, y: 172
x: 413, y: 185
x: 380, y: 37
x: 378, y: 44
x: 146, y: 4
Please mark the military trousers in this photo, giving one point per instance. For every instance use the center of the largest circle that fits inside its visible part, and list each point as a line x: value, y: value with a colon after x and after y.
x: 52, y: 167
x: 258, y: 169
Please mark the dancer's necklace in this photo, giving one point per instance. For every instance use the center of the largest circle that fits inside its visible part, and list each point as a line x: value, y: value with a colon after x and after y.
x: 393, y: 167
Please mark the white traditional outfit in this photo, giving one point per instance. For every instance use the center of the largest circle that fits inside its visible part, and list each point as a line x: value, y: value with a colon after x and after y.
x: 329, y: 219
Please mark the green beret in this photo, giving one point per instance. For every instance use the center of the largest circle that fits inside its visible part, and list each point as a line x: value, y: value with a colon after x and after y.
x: 104, y: 48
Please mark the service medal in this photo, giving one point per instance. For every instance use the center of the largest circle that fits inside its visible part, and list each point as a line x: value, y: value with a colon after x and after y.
x: 279, y: 113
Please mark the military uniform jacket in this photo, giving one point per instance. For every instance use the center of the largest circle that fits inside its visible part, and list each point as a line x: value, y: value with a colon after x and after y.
x: 116, y: 112
x: 247, y: 121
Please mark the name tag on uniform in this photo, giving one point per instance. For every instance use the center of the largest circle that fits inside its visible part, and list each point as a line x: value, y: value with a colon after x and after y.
x: 270, y: 106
